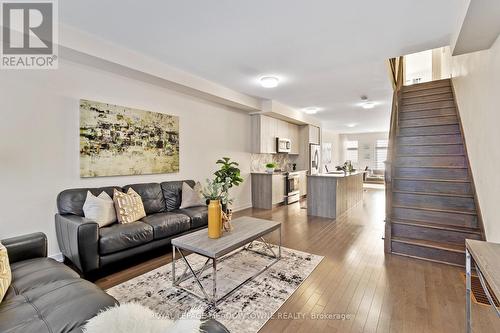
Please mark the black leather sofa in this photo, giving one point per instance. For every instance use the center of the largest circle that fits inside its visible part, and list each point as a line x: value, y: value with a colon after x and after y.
x: 91, y: 248
x: 45, y: 295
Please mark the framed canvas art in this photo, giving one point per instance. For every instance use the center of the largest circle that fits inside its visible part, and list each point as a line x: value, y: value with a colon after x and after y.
x: 117, y: 140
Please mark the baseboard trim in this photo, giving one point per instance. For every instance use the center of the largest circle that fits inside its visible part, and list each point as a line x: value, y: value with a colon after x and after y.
x: 242, y: 207
x: 57, y: 256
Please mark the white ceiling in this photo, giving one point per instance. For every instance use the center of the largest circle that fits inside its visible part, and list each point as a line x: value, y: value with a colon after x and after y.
x: 327, y: 53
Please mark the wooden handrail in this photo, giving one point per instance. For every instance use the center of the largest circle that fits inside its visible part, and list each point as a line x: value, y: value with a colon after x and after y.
x: 396, y: 66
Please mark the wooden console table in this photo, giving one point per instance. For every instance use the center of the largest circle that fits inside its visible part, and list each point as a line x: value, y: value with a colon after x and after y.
x: 486, y: 257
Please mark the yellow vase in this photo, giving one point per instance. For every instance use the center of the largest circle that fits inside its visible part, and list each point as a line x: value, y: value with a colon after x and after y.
x: 214, y: 219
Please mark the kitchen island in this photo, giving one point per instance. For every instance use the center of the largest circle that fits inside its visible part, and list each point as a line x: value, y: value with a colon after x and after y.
x: 332, y: 194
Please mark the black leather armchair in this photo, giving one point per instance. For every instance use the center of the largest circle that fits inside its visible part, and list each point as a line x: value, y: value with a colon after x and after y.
x: 45, y: 295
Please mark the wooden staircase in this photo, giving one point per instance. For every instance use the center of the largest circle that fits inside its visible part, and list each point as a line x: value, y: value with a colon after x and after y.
x: 432, y: 205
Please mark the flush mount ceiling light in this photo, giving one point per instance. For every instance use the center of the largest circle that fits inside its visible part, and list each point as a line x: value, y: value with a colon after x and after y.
x: 269, y: 81
x: 366, y: 104
x: 351, y: 125
x: 311, y: 110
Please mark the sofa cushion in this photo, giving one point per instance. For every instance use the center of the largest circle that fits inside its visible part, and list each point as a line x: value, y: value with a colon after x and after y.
x: 151, y: 195
x: 198, y: 215
x: 172, y: 193
x: 56, y: 307
x: 33, y: 273
x: 118, y: 237
x: 71, y: 201
x: 167, y: 224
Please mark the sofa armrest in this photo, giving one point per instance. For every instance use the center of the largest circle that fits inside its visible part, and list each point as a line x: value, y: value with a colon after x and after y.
x: 78, y: 240
x: 26, y: 247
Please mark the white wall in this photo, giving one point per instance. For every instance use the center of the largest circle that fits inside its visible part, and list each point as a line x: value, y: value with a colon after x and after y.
x: 366, y: 146
x: 476, y: 79
x: 39, y: 139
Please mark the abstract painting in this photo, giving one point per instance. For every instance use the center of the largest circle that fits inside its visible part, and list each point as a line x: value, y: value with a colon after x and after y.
x: 117, y: 140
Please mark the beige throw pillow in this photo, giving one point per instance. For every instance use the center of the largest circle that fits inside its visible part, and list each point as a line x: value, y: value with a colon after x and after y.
x: 192, y: 197
x: 129, y: 207
x: 100, y: 209
x: 5, y: 273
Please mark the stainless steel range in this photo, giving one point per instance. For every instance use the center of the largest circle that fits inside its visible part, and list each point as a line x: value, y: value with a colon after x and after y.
x: 292, y: 187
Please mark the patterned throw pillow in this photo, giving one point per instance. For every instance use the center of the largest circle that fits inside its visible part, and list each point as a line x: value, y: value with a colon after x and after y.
x: 129, y: 207
x: 5, y: 274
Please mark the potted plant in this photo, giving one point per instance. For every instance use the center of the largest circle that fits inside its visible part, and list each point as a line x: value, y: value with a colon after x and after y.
x: 270, y: 167
x: 228, y: 175
x: 213, y: 192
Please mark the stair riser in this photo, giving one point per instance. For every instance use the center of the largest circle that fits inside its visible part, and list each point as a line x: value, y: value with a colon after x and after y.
x: 434, y: 201
x: 431, y: 173
x: 427, y: 86
x: 429, y: 130
x: 421, y: 93
x: 449, y: 161
x: 428, y: 106
x: 426, y: 99
x: 430, y: 150
x: 431, y: 139
x: 429, y: 253
x: 431, y: 187
x: 461, y: 220
x: 448, y: 120
x: 427, y: 113
x: 438, y: 235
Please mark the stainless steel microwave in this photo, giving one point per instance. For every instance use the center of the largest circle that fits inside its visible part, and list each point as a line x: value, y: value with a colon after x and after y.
x: 283, y: 145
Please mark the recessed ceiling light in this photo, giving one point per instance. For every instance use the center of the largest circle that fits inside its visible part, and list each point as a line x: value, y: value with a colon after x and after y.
x: 368, y: 105
x: 311, y: 110
x: 269, y: 81
x: 351, y: 125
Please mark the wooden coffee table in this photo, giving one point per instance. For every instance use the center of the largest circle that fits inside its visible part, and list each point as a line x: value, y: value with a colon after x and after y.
x: 245, y: 231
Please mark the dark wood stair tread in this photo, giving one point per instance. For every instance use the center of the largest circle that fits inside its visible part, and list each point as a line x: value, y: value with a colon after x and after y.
x: 453, y: 211
x: 432, y: 244
x: 430, y: 144
x: 427, y: 125
x: 428, y: 102
x: 431, y: 166
x: 441, y: 194
x: 428, y: 155
x: 430, y: 116
x: 448, y: 227
x: 434, y: 180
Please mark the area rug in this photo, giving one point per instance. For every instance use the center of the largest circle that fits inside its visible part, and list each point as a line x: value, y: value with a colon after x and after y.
x: 246, y: 310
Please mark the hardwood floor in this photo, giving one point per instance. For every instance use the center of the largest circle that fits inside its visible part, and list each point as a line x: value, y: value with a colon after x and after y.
x: 377, y: 292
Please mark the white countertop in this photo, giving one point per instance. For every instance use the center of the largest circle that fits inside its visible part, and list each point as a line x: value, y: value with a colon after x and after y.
x: 337, y: 175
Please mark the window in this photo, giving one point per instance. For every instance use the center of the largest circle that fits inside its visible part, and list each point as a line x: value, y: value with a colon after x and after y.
x: 351, y: 153
x: 380, y: 154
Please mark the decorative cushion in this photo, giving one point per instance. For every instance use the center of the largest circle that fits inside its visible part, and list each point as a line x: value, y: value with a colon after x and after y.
x: 129, y: 207
x: 191, y: 196
x: 5, y: 273
x: 100, y: 209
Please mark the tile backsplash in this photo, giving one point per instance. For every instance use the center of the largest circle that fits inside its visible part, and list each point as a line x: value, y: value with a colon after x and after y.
x: 283, y: 161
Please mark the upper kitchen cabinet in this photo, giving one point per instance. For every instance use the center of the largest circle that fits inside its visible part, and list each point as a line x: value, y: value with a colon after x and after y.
x: 265, y: 130
x: 313, y: 134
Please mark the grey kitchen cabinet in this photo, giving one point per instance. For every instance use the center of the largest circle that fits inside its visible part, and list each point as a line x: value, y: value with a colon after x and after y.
x: 266, y: 129
x: 268, y: 190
